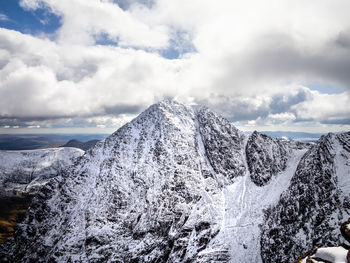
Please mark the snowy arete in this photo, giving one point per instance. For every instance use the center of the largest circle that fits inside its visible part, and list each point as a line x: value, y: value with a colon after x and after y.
x: 181, y: 184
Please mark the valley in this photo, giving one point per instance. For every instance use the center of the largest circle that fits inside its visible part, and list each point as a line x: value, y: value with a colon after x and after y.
x: 12, y: 211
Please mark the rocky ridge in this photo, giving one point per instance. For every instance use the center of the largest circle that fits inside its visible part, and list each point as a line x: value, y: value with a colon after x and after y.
x: 29, y: 169
x: 310, y: 211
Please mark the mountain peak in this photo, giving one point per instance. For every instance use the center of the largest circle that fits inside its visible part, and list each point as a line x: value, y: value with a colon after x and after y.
x: 141, y: 184
x: 167, y: 108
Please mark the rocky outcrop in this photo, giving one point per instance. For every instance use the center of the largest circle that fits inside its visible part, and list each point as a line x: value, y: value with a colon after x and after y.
x: 223, y: 144
x: 345, y: 230
x: 266, y: 157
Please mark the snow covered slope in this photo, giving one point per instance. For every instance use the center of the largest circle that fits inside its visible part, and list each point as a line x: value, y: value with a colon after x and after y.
x: 24, y: 167
x: 176, y: 184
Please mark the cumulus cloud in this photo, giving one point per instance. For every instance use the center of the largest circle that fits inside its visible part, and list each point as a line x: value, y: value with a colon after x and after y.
x: 249, y: 60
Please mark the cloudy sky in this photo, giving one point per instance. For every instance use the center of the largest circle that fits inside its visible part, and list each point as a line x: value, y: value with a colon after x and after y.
x: 92, y: 65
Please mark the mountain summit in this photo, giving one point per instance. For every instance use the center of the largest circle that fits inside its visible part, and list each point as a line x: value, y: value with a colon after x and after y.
x: 176, y: 184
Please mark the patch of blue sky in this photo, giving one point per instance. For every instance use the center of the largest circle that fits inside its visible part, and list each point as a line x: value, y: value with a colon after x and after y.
x: 125, y: 4
x: 32, y: 22
x: 180, y: 44
x: 324, y: 88
x: 170, y: 53
x: 104, y: 40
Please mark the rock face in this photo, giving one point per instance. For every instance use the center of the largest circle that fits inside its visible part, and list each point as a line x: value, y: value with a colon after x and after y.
x: 345, y: 230
x: 222, y: 143
x: 266, y: 157
x: 173, y: 185
x: 311, y: 210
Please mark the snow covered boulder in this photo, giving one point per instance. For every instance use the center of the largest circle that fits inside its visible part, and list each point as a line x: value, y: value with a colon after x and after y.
x: 328, y: 254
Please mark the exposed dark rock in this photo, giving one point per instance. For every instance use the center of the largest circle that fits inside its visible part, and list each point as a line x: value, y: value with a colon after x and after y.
x: 222, y: 142
x: 345, y: 230
x: 265, y: 157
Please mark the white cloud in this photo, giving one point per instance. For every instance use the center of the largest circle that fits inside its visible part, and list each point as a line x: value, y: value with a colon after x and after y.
x: 30, y: 4
x: 249, y: 61
x: 83, y: 20
x: 284, y: 117
x: 328, y: 108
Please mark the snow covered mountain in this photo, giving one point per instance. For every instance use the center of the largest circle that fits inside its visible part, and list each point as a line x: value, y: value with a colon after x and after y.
x: 32, y: 167
x: 176, y: 184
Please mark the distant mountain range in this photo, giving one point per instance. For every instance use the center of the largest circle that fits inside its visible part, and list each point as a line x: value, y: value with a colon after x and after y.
x: 81, y: 145
x: 39, y: 141
x: 292, y: 136
x: 295, y: 136
x: 86, y: 141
